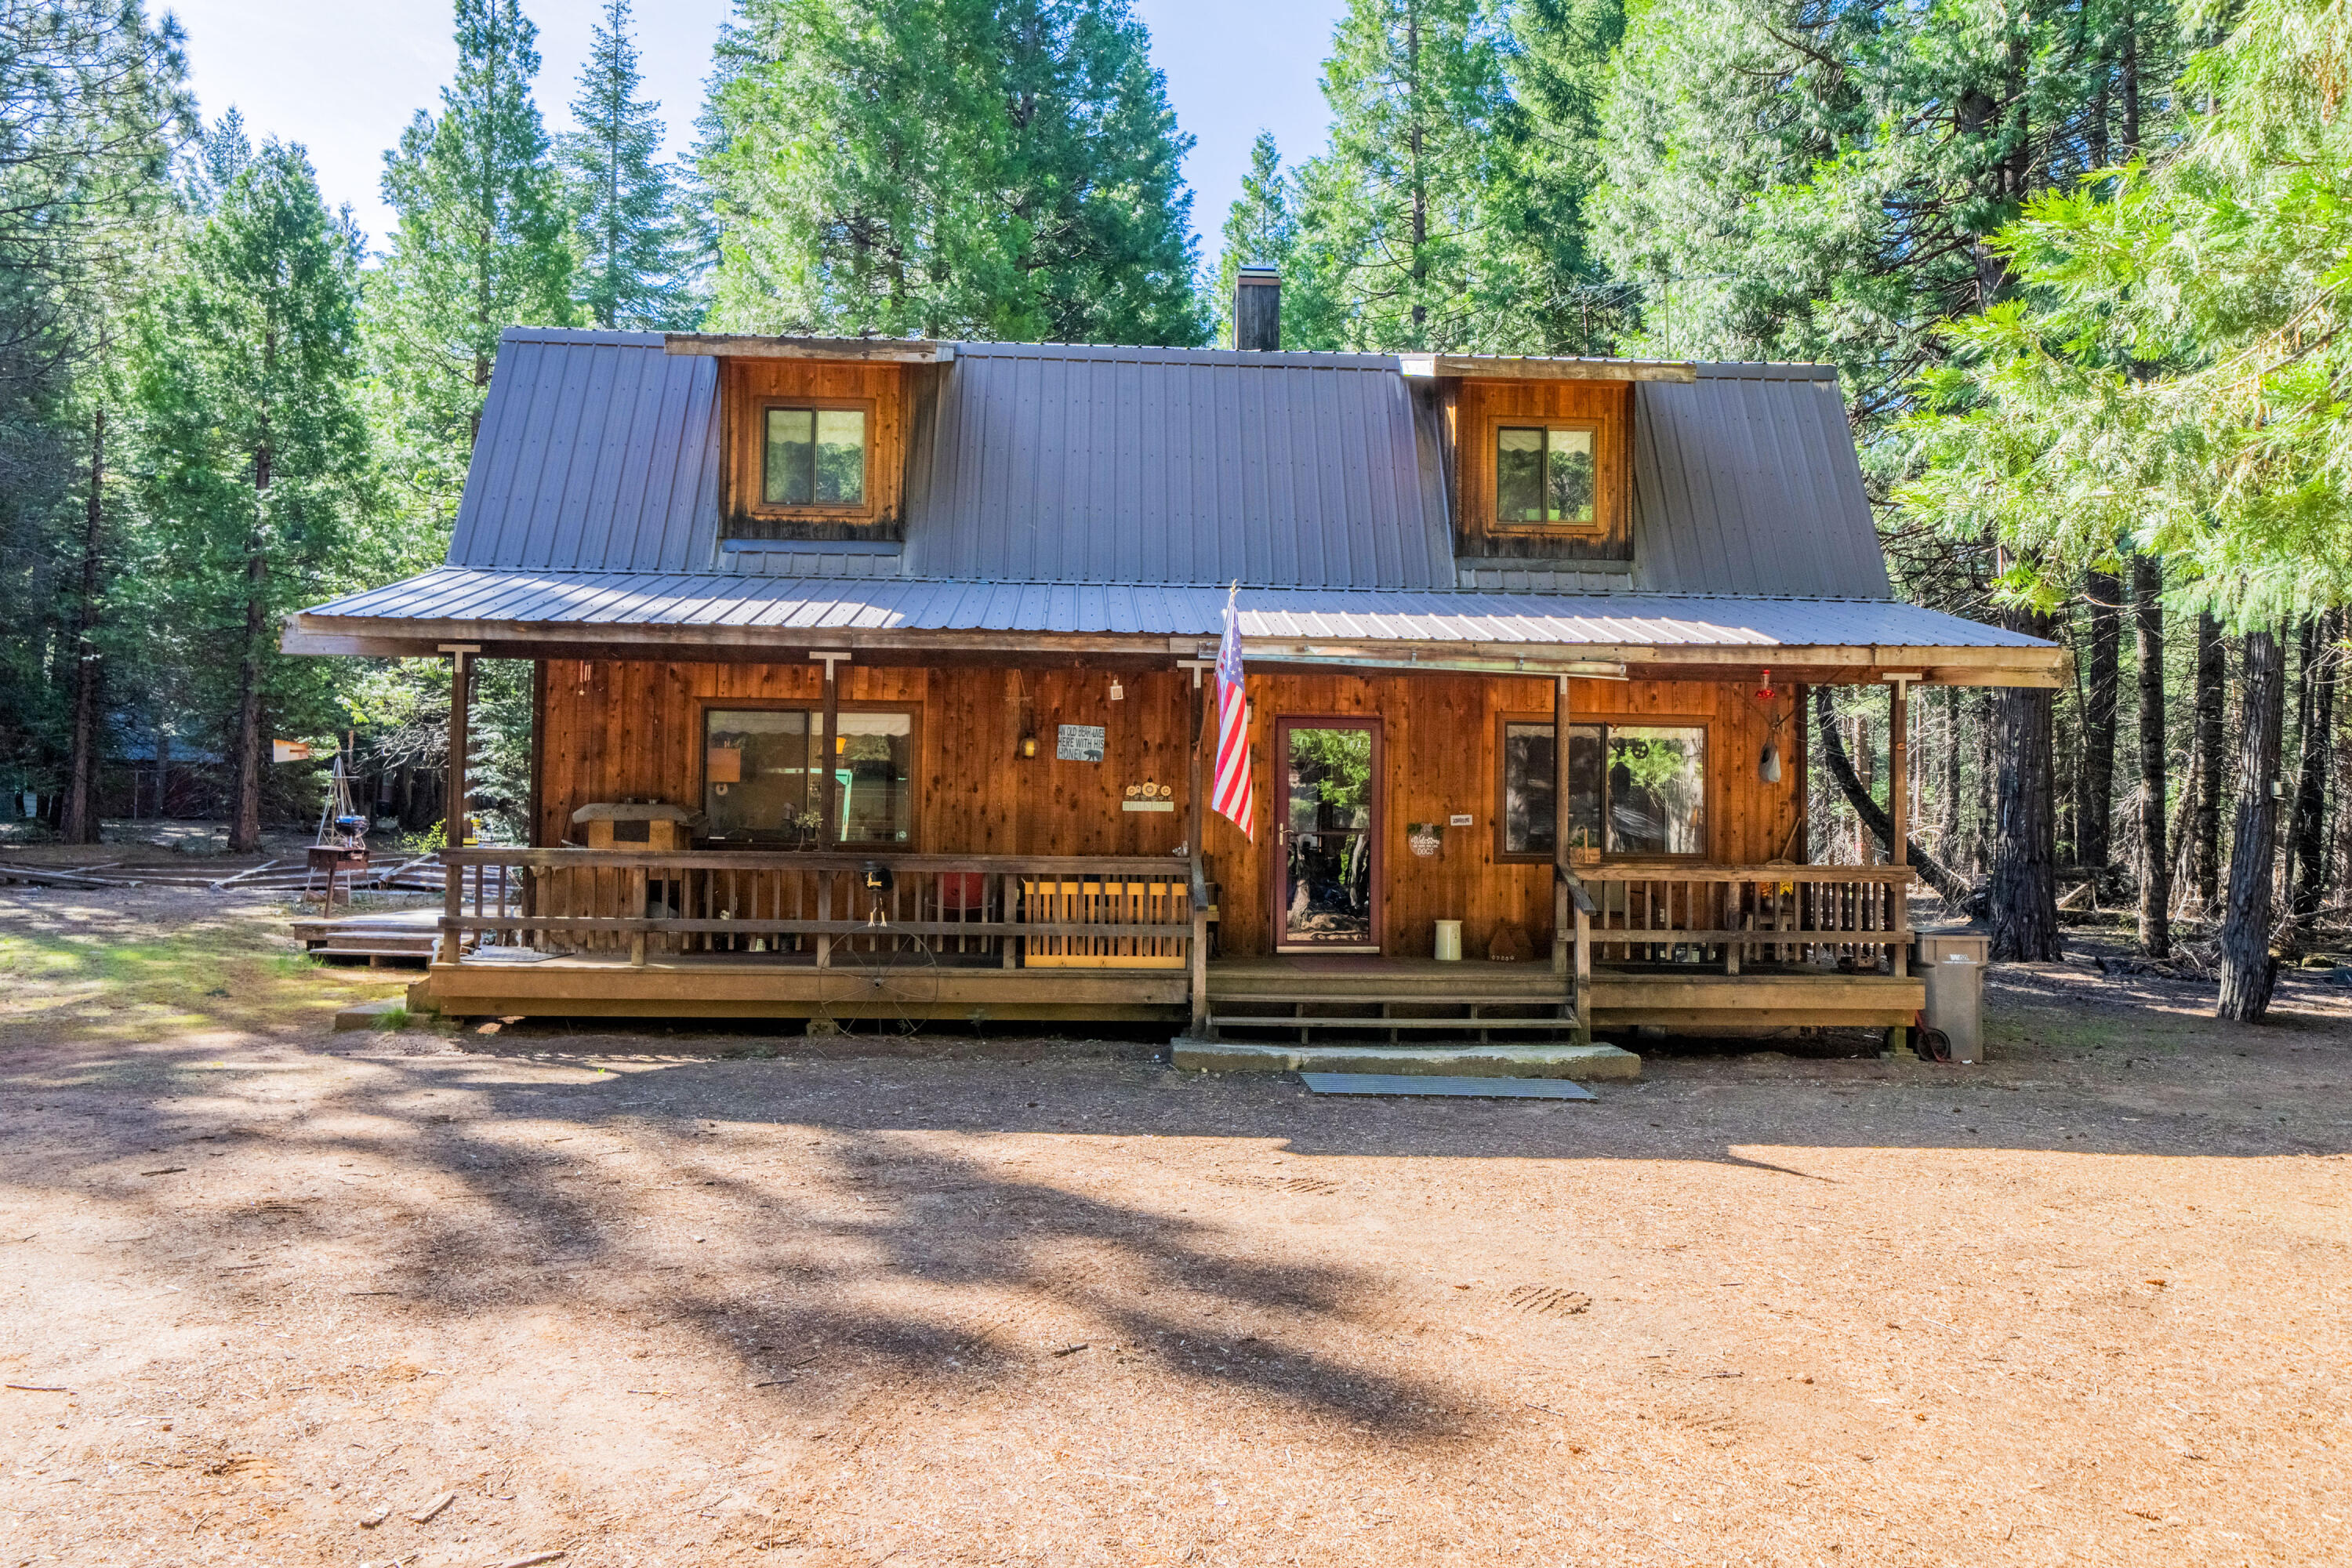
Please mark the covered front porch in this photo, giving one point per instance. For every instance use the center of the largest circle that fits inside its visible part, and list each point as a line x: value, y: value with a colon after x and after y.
x: 921, y: 938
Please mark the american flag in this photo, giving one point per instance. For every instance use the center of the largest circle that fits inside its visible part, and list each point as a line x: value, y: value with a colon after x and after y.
x: 1234, y: 796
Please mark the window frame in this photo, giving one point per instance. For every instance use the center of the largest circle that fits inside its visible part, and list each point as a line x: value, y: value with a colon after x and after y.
x: 814, y: 708
x: 752, y: 464
x: 1605, y: 722
x: 1604, y: 496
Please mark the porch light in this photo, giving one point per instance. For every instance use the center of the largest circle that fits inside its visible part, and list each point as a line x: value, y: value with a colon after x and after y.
x: 1028, y: 747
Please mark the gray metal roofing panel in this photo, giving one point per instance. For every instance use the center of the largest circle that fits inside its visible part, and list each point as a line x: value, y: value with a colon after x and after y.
x: 1748, y: 484
x: 1043, y: 462
x: 691, y: 599
x: 1134, y: 466
x: 596, y: 451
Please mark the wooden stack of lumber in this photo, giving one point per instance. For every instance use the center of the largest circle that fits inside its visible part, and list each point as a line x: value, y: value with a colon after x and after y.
x: 416, y: 874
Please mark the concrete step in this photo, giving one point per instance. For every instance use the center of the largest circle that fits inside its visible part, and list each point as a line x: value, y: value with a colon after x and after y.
x: 1449, y: 1059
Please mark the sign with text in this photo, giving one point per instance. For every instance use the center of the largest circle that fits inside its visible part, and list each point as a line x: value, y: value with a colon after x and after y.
x: 1079, y: 744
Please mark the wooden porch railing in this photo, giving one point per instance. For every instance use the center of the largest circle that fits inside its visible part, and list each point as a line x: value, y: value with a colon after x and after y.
x: 1670, y: 912
x: 1095, y: 912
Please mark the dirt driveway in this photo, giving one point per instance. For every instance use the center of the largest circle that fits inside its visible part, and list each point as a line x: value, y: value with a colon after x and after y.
x: 262, y: 1285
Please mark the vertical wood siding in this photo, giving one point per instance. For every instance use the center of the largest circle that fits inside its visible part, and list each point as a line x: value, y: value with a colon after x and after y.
x: 615, y: 729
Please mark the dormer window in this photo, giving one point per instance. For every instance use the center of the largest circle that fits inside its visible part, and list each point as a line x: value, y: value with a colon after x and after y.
x: 1546, y: 476
x: 813, y: 457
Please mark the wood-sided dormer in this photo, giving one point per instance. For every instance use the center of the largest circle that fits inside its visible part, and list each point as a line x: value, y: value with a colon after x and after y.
x: 1540, y: 453
x: 816, y: 432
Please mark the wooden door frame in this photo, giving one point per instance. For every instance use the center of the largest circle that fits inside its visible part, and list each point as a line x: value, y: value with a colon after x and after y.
x: 1278, y: 863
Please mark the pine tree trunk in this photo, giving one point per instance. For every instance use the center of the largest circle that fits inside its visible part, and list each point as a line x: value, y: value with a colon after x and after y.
x: 1982, y: 848
x: 2155, y: 874
x: 1870, y: 817
x: 2212, y: 673
x: 1865, y: 769
x: 2315, y: 707
x: 2247, y: 970
x: 2024, y: 886
x: 2342, y: 866
x: 78, y: 821
x: 1951, y: 801
x: 2095, y: 778
x: 252, y: 743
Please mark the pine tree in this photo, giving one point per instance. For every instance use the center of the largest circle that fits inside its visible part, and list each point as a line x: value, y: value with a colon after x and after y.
x: 1559, y: 65
x: 1819, y: 182
x: 637, y: 267
x: 482, y: 245
x: 1399, y: 217
x: 93, y: 106
x: 1260, y: 230
x: 993, y: 169
x: 253, y: 456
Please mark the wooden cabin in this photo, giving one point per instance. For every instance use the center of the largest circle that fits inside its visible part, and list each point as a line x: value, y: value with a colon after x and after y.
x: 908, y: 639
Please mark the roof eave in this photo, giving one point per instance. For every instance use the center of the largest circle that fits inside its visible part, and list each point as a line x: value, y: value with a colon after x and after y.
x: 2044, y: 666
x: 1504, y: 367
x: 871, y: 351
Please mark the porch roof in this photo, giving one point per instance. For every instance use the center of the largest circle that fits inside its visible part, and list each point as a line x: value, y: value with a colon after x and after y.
x: 654, y: 615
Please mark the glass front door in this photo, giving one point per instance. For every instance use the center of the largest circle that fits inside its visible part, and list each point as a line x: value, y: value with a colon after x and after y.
x: 1328, y: 834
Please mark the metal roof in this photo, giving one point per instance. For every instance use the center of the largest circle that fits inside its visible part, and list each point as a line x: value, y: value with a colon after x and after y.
x: 1090, y: 465
x: 600, y: 452
x: 597, y: 452
x: 1745, y: 481
x: 794, y: 608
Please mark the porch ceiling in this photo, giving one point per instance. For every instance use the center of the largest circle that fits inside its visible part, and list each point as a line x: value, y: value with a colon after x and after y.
x: 712, y: 615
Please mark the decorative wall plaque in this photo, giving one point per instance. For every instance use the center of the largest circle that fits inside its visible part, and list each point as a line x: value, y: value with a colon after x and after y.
x: 1079, y: 744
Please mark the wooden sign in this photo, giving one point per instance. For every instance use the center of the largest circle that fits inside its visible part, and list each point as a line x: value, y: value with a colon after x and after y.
x: 724, y: 765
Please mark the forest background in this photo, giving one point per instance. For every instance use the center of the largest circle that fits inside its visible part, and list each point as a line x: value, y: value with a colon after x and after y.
x: 2081, y: 270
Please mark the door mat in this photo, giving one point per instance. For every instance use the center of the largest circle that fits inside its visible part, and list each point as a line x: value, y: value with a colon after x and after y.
x: 1461, y: 1087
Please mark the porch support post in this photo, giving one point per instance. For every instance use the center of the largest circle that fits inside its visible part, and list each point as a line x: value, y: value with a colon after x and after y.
x: 829, y: 833
x: 453, y: 815
x: 1898, y: 815
x: 1559, y: 815
x: 1197, y: 952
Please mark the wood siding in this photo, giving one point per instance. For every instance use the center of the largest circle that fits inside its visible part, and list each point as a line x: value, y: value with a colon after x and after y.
x: 614, y: 730
x: 1479, y: 406
x: 748, y: 385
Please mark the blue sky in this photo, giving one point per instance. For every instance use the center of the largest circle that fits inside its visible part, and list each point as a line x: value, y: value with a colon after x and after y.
x: 342, y: 77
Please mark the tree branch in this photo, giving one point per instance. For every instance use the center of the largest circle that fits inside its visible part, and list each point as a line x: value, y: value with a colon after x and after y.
x: 1955, y: 893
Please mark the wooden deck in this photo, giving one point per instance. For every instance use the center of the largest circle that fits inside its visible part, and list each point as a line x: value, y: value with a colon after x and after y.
x: 725, y: 986
x: 588, y: 933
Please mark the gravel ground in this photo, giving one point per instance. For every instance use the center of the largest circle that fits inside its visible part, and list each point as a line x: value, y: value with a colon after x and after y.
x: 267, y: 1293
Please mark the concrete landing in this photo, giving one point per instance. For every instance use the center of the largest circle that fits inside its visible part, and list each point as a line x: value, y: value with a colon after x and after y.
x: 1592, y: 1064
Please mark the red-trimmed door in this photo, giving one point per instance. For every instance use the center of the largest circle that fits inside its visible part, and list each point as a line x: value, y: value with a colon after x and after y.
x: 1326, y: 835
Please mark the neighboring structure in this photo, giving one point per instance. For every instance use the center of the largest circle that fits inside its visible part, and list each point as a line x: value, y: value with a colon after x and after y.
x: 916, y: 631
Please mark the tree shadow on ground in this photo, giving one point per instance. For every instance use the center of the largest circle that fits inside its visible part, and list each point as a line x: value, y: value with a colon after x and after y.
x: 863, y: 1255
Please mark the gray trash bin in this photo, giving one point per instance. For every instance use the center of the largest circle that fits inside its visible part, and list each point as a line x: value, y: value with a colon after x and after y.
x: 1954, y: 968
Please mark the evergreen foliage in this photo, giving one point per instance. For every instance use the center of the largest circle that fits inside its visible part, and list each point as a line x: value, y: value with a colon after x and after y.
x: 1812, y: 182
x: 990, y: 169
x: 253, y: 457
x: 2172, y: 371
x: 1260, y: 229
x: 93, y: 107
x: 637, y: 264
x: 1399, y: 217
x: 483, y: 243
